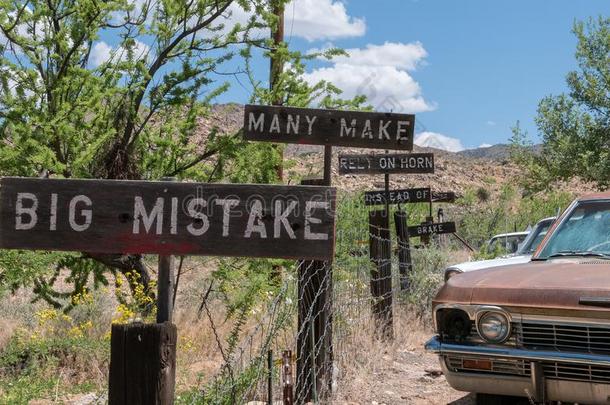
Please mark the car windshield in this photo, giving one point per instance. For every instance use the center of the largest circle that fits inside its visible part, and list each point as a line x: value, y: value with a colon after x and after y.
x: 584, y: 232
x: 530, y: 244
x: 505, y: 243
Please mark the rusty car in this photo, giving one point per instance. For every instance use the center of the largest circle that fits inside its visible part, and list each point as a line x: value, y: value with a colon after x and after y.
x: 538, y: 331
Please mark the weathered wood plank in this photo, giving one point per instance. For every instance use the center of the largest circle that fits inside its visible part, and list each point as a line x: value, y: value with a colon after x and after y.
x: 386, y: 163
x: 329, y: 127
x: 407, y: 196
x: 109, y: 216
x: 142, y: 364
x: 431, y: 228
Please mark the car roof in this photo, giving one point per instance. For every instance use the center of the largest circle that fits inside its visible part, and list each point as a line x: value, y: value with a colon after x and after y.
x: 503, y: 235
x: 595, y: 196
x: 547, y: 219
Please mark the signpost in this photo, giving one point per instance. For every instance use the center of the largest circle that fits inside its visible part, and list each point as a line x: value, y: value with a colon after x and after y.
x: 329, y: 127
x: 106, y: 216
x: 386, y: 163
x: 407, y: 196
x: 428, y: 229
x: 165, y: 218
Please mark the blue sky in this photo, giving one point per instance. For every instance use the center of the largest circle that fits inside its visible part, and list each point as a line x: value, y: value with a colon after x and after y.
x: 468, y: 69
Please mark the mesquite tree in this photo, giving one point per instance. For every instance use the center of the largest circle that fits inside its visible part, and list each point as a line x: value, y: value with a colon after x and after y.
x: 73, y: 106
x: 575, y: 127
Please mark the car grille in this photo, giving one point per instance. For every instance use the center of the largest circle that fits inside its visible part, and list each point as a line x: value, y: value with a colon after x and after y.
x: 499, y: 366
x: 521, y: 368
x: 563, y: 337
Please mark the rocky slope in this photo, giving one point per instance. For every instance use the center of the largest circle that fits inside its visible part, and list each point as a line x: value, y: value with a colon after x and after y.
x: 484, y: 167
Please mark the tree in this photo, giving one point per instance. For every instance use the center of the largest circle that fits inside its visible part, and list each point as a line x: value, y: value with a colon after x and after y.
x: 68, y: 110
x: 575, y: 127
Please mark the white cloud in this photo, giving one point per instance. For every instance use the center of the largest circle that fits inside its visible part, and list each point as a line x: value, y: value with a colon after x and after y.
x: 491, y: 123
x: 485, y: 145
x: 309, y: 19
x: 101, y: 52
x: 395, y: 54
x: 439, y: 141
x: 380, y: 72
x: 321, y: 19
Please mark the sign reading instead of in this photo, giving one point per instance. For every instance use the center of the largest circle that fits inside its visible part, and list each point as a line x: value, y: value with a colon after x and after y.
x: 406, y: 196
x: 386, y: 163
x: 329, y: 127
x: 429, y: 229
x: 109, y: 216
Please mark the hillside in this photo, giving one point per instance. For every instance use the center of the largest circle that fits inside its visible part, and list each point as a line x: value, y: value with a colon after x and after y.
x: 482, y: 167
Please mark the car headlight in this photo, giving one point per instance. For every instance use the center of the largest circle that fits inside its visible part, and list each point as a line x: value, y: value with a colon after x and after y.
x: 494, y: 327
x: 454, y: 324
x: 450, y: 272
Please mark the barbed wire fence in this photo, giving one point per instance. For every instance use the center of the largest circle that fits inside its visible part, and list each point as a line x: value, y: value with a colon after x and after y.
x: 320, y: 320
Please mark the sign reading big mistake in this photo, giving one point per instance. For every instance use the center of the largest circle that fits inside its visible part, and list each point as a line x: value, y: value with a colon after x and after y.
x: 329, y: 127
x: 109, y: 216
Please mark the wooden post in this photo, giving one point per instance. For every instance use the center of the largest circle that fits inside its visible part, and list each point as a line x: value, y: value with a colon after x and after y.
x: 165, y: 289
x: 270, y: 377
x: 314, y: 338
x: 287, y: 387
x: 165, y: 284
x: 381, y: 274
x: 315, y: 326
x: 405, y: 264
x: 275, y: 69
x: 142, y: 364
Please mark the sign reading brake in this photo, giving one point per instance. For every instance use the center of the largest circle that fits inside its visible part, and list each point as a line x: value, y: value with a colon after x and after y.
x: 429, y: 229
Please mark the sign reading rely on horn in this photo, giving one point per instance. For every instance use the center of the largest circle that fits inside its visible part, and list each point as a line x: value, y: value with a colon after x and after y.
x: 110, y: 216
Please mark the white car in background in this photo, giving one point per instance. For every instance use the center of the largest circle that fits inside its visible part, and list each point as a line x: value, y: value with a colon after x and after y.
x: 522, y: 255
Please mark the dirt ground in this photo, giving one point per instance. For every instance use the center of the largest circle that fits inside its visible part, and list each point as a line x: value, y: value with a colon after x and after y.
x: 407, y: 376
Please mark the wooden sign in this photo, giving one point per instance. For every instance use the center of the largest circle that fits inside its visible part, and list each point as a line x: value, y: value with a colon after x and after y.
x: 407, y: 196
x: 109, y: 216
x: 386, y: 163
x: 329, y: 127
x: 429, y: 229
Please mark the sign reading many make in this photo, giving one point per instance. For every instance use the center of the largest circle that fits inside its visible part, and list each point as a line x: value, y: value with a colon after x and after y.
x: 109, y: 216
x: 386, y: 163
x: 329, y: 127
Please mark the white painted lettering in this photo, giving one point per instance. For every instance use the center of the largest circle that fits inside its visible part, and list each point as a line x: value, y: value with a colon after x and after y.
x: 255, y: 223
x: 275, y: 124
x: 87, y: 214
x: 227, y: 204
x: 345, y: 130
x: 139, y: 213
x: 310, y: 122
x: 258, y: 124
x: 198, y: 215
x: 309, y: 220
x: 20, y: 210
x: 281, y: 218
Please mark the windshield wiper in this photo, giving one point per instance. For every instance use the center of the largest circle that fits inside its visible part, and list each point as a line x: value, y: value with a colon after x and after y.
x: 563, y: 253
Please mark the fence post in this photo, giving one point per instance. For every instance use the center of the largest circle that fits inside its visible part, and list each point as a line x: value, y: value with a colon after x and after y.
x: 142, y: 364
x: 314, y: 330
x: 380, y: 248
x: 287, y: 393
x: 404, y: 249
x: 143, y: 356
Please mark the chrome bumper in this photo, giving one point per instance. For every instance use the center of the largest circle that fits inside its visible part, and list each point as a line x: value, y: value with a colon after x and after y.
x: 434, y: 345
x: 535, y: 385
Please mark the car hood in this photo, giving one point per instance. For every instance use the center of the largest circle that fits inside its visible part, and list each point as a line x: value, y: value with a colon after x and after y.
x: 557, y: 283
x: 485, y: 264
